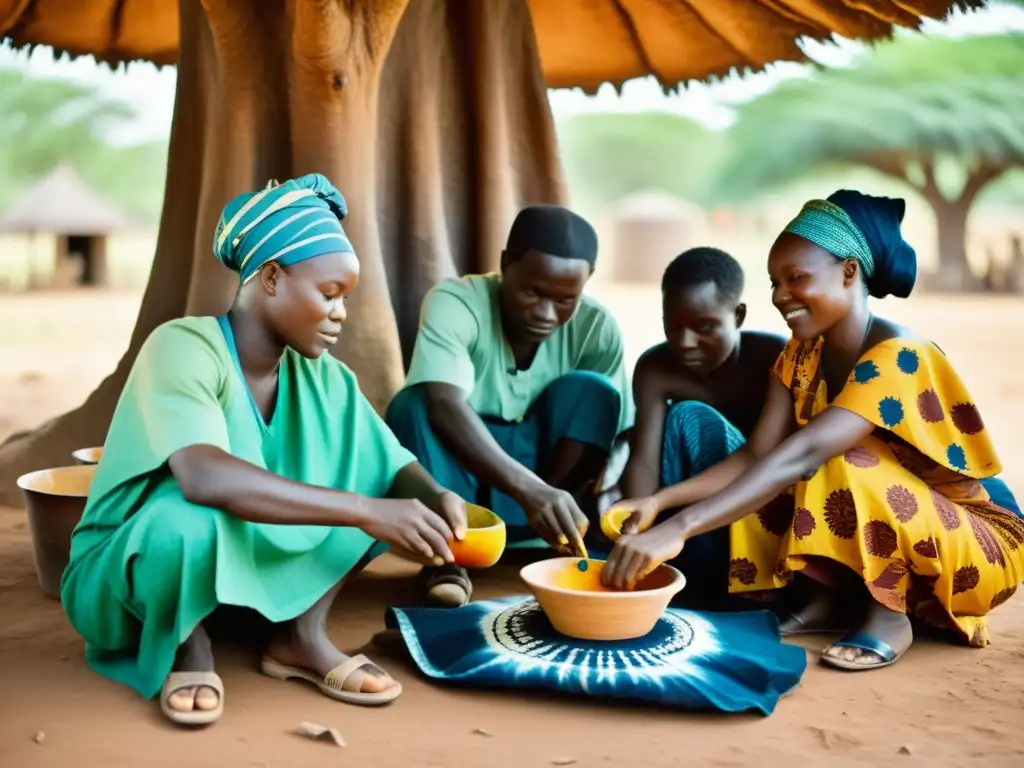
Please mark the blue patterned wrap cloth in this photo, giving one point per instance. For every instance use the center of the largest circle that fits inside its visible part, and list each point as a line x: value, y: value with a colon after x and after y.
x: 730, y: 662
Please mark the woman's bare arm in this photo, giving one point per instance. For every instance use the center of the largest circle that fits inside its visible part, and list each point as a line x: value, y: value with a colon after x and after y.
x: 211, y: 477
x: 831, y: 433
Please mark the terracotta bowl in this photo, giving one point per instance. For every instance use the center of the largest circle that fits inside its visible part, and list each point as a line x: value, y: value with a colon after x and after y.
x: 54, y: 500
x: 485, y: 539
x: 577, y: 605
x: 87, y: 455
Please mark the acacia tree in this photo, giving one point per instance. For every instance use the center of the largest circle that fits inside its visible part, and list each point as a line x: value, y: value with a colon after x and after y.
x: 909, y: 109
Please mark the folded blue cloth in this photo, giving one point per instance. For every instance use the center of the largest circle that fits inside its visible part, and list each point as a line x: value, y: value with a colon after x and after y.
x: 733, y: 662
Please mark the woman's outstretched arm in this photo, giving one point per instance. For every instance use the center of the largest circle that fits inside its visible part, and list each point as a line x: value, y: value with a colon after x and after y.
x: 831, y: 433
x: 775, y: 424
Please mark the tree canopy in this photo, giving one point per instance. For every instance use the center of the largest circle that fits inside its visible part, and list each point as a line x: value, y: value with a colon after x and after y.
x: 46, y: 122
x: 913, y: 99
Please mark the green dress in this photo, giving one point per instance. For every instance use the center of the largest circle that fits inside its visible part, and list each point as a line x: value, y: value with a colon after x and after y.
x: 147, y: 566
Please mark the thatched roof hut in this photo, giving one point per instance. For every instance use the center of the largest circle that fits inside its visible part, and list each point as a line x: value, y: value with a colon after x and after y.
x: 61, y: 204
x: 74, y: 223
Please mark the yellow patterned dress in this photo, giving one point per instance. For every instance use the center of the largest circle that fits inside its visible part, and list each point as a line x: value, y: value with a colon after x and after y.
x: 903, y: 508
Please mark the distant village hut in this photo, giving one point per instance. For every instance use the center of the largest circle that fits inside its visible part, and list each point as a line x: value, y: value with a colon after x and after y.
x: 650, y: 229
x: 63, y: 226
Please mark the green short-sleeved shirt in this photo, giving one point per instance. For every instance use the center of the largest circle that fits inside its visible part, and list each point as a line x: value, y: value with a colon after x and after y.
x: 461, y: 342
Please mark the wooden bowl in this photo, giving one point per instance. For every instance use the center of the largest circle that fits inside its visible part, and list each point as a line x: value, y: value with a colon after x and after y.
x: 578, y: 605
x: 54, y: 500
x: 87, y: 455
x: 485, y: 539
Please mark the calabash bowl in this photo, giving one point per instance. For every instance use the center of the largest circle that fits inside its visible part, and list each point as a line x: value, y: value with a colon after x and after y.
x: 484, y: 542
x: 612, y: 522
x: 579, y: 606
x: 54, y: 500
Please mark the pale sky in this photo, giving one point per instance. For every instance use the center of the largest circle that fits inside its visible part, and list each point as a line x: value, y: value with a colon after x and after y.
x: 153, y: 90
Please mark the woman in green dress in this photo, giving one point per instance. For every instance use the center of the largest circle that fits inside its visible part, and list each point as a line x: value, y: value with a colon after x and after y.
x: 244, y: 467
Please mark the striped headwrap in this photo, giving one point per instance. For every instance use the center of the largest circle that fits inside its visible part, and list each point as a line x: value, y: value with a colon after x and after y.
x: 865, y: 228
x: 286, y: 223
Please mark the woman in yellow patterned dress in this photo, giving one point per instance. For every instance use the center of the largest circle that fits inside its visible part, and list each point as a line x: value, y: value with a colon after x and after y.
x: 867, y: 471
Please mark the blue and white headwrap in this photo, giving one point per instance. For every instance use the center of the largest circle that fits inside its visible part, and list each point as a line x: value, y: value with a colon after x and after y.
x: 865, y: 228
x: 286, y: 223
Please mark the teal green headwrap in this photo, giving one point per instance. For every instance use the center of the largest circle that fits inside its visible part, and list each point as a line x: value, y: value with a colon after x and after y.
x: 865, y: 228
x: 286, y: 223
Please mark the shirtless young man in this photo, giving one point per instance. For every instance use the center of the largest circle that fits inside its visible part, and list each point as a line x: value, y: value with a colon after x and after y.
x: 699, y: 393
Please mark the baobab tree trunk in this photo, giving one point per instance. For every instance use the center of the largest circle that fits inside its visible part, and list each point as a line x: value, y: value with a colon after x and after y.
x: 431, y: 117
x: 954, y: 271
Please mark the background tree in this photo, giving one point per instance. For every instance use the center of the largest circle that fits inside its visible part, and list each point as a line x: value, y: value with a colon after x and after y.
x: 945, y: 116
x: 609, y: 156
x: 45, y: 122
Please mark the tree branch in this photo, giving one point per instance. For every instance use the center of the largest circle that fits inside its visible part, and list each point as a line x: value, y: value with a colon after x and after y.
x: 930, y: 188
x: 891, y: 164
x: 980, y: 176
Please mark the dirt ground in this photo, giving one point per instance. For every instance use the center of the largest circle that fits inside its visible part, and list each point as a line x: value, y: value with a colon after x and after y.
x: 941, y: 705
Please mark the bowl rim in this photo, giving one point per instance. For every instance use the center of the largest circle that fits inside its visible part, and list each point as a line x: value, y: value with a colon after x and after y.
x: 496, y: 526
x: 673, y: 587
x: 23, y: 481
x: 607, y: 515
x: 86, y: 453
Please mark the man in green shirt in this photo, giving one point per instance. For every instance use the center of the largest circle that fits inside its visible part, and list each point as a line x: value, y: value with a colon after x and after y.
x: 517, y: 388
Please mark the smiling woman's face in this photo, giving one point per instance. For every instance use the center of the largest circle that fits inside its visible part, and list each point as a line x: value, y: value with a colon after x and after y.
x: 305, y: 302
x: 811, y: 288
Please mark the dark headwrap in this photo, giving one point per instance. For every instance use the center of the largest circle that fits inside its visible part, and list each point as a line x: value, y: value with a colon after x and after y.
x: 286, y: 223
x: 852, y: 225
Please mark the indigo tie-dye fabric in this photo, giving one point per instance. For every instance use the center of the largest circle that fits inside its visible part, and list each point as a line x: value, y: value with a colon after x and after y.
x: 733, y: 662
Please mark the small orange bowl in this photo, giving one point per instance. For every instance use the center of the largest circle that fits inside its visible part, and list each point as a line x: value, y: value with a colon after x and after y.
x: 612, y: 522
x: 484, y: 542
x: 87, y: 455
x: 578, y: 605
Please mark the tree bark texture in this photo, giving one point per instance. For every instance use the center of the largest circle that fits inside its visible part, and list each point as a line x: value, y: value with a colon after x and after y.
x: 430, y: 116
x: 954, y: 270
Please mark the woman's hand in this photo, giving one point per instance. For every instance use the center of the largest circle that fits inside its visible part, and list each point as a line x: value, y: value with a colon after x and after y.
x: 643, y: 512
x: 412, y: 526
x: 635, y: 556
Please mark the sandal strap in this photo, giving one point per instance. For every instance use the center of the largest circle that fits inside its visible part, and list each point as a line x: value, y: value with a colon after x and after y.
x: 863, y: 641
x: 348, y: 676
x: 449, y: 574
x: 178, y: 681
